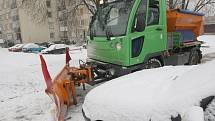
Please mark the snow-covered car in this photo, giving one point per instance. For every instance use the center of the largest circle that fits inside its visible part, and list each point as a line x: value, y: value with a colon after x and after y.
x: 16, y: 48
x: 32, y: 47
x: 55, y: 49
x: 162, y: 94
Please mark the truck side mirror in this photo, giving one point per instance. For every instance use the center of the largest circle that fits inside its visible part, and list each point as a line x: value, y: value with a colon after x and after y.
x: 139, y: 23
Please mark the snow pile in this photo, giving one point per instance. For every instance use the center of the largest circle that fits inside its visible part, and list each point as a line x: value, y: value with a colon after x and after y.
x: 195, y: 113
x: 155, y: 94
x: 151, y: 94
x: 209, y: 46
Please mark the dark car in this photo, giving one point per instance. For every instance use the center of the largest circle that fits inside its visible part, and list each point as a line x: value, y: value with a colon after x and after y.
x: 55, y: 49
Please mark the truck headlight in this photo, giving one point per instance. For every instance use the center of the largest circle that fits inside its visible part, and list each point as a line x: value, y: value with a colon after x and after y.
x: 118, y: 46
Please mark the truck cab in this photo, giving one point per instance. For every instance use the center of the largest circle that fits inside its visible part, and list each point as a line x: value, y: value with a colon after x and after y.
x: 130, y: 35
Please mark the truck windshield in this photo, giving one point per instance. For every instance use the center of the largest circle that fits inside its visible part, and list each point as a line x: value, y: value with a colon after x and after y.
x: 111, y: 18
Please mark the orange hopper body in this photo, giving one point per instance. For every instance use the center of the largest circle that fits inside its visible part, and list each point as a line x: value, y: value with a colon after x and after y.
x: 184, y: 20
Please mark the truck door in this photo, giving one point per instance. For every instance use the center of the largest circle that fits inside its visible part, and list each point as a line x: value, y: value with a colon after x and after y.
x: 155, y: 27
x: 150, y: 39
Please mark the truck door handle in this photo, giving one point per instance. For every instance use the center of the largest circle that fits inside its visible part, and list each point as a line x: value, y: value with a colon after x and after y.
x: 159, y: 29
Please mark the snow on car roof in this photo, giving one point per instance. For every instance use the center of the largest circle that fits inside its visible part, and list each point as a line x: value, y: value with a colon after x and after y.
x: 155, y: 94
x: 31, y: 45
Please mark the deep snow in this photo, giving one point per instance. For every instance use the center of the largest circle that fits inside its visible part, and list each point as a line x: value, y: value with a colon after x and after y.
x: 155, y: 94
x: 22, y: 96
x: 22, y: 86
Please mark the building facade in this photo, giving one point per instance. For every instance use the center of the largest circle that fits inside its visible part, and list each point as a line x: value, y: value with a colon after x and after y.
x: 78, y: 30
x: 9, y: 21
x: 209, y: 27
x: 74, y: 20
x: 18, y: 27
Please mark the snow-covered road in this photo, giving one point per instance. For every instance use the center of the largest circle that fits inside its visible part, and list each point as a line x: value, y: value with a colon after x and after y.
x: 22, y: 96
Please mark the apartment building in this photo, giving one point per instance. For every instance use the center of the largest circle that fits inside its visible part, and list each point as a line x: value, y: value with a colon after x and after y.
x: 83, y: 20
x: 9, y: 21
x: 17, y: 26
x: 46, y: 31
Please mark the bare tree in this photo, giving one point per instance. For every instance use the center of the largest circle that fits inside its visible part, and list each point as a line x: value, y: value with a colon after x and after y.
x: 194, y: 5
x: 36, y: 9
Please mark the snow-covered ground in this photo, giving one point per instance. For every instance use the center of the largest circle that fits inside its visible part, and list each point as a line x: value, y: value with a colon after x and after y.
x: 22, y: 86
x: 22, y: 96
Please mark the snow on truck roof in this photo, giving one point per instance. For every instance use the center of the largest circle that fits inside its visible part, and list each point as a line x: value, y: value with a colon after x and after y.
x: 155, y: 94
x: 190, y: 12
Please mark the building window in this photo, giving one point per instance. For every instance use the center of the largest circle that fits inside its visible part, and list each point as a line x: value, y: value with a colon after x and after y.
x: 0, y: 27
x: 5, y: 27
x: 82, y: 22
x: 11, y: 25
x: 49, y: 14
x: 7, y: 16
x: 18, y: 36
x: 15, y: 18
x: 51, y: 25
x: 51, y: 35
x: 13, y: 4
x: 63, y: 23
x: 81, y: 11
x: 48, y: 4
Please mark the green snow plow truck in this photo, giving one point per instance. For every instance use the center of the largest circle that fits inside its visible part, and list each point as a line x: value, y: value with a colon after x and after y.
x: 130, y: 35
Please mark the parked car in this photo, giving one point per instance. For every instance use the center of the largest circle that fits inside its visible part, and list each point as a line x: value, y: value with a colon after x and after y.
x: 32, y: 47
x: 16, y: 48
x: 45, y: 44
x: 163, y: 94
x: 55, y: 49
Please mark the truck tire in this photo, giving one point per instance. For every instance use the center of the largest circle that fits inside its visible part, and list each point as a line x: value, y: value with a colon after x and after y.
x: 194, y: 58
x: 153, y: 63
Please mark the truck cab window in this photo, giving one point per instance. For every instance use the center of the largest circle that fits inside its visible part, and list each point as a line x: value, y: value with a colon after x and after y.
x: 140, y: 19
x: 153, y: 16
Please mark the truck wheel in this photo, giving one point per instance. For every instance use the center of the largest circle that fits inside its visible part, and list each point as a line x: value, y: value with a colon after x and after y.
x: 194, y: 57
x: 153, y: 63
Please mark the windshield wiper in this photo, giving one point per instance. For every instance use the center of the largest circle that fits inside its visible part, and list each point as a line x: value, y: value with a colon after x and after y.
x: 91, y: 35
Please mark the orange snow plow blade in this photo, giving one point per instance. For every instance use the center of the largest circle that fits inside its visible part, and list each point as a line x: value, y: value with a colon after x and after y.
x: 62, y: 89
